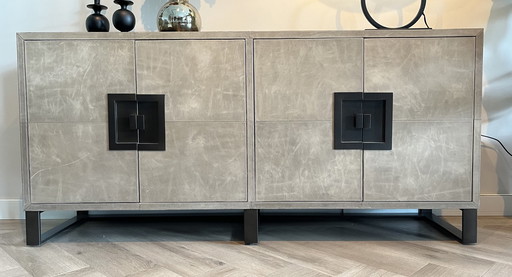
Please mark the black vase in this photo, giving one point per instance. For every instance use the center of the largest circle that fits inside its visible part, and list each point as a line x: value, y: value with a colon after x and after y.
x: 97, y: 22
x: 123, y: 19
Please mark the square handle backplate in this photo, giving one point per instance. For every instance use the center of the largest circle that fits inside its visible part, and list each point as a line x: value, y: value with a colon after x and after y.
x: 136, y: 122
x: 363, y: 120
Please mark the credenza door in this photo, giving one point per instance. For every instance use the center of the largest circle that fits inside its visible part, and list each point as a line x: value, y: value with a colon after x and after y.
x: 433, y: 84
x: 67, y: 83
x: 205, y: 111
x: 295, y: 80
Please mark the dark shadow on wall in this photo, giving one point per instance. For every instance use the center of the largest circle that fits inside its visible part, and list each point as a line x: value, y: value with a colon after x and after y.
x: 150, y: 8
x: 197, y: 3
x: 497, y: 99
x: 497, y: 67
x: 148, y: 11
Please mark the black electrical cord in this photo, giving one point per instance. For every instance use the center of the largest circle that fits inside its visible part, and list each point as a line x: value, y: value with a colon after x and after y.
x: 485, y: 136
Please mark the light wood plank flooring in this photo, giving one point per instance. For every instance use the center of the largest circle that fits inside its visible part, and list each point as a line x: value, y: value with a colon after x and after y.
x: 289, y: 246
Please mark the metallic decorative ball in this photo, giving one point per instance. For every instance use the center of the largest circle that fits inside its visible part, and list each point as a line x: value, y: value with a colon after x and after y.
x: 178, y: 15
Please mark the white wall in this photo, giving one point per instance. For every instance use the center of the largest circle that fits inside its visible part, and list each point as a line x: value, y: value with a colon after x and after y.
x: 233, y: 15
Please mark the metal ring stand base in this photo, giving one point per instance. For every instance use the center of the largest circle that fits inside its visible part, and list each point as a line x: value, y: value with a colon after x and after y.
x: 399, y: 29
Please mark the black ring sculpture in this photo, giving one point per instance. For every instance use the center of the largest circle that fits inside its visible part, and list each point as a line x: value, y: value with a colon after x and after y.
x: 378, y: 26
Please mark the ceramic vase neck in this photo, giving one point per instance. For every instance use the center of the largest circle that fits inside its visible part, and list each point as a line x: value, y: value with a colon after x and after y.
x: 123, y: 3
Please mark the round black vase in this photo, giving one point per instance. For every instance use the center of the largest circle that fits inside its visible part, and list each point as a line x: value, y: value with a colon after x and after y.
x: 97, y: 22
x: 123, y: 19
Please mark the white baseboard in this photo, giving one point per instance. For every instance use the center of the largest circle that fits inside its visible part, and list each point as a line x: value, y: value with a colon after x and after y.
x: 490, y: 205
x: 11, y: 209
x: 495, y: 205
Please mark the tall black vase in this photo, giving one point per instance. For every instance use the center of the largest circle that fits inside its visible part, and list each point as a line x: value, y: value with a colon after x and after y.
x: 97, y: 22
x: 123, y: 19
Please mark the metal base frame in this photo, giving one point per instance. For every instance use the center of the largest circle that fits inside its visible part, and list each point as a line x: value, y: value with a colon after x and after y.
x: 33, y: 230
x: 251, y: 222
x: 466, y: 235
x: 35, y: 236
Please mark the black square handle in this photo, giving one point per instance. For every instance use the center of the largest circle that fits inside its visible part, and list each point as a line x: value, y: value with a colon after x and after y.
x: 136, y: 122
x: 367, y: 121
x: 363, y: 120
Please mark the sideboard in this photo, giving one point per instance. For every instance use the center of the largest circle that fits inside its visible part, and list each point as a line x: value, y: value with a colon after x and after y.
x: 375, y: 119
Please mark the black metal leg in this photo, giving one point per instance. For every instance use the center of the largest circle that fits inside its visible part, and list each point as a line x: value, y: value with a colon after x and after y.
x: 424, y: 212
x: 469, y: 226
x: 251, y: 220
x: 33, y: 227
x: 468, y: 233
x: 82, y: 215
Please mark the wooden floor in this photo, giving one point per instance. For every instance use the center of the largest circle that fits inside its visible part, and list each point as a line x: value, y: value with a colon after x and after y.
x: 289, y: 246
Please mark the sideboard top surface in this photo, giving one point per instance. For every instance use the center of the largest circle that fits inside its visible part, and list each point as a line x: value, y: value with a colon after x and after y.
x: 252, y: 34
